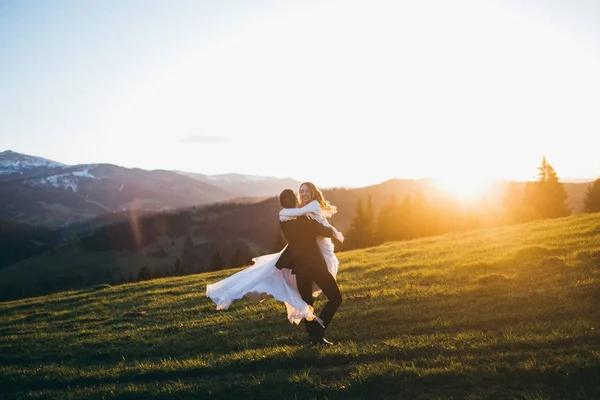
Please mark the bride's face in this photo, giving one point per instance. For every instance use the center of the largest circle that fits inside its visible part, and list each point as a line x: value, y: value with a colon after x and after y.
x: 306, y: 195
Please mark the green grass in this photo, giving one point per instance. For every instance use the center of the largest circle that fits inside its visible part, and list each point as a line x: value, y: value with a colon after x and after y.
x: 506, y: 313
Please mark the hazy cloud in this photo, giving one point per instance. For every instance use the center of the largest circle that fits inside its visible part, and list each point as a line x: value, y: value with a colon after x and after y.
x: 203, y: 139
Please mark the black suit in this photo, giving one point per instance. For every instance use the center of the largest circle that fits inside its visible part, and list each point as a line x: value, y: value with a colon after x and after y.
x: 303, y: 256
x: 302, y: 251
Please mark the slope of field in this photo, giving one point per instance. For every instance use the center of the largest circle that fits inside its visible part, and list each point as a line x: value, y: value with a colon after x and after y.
x: 506, y: 313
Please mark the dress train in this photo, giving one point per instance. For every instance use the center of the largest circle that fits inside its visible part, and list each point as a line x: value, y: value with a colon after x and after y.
x: 264, y: 279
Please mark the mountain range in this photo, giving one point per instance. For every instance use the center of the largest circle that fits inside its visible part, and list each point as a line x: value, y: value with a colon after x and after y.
x: 42, y: 192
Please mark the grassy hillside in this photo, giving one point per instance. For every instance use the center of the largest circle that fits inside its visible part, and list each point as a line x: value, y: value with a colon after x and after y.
x: 507, y: 313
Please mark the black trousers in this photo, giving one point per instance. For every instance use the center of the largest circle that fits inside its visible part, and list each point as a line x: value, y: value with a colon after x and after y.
x: 329, y: 286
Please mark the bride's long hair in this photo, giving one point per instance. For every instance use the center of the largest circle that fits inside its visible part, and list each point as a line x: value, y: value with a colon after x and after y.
x: 327, y: 209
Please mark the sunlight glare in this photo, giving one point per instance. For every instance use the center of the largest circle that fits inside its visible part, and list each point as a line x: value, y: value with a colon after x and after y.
x: 464, y: 187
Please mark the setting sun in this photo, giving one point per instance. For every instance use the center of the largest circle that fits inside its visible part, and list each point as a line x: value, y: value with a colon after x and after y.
x: 463, y: 186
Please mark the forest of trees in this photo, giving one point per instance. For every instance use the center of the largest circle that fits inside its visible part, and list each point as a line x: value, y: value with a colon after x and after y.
x: 18, y: 241
x: 415, y: 217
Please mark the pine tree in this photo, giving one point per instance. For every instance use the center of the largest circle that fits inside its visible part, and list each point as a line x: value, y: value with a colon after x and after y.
x: 188, y: 245
x: 369, y: 224
x: 353, y: 237
x: 361, y: 232
x: 406, y: 221
x: 546, y: 197
x: 217, y: 261
x: 189, y: 258
x: 178, y: 268
x: 386, y: 227
x: 144, y: 274
x: 239, y: 260
x: 591, y: 202
x: 420, y: 216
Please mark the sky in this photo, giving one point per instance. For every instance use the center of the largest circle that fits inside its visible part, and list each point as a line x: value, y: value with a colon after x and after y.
x: 337, y: 92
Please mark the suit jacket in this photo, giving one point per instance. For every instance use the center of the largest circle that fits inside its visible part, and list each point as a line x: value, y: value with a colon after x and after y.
x: 302, y: 253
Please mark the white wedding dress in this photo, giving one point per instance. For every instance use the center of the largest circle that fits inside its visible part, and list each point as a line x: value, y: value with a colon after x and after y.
x: 264, y: 279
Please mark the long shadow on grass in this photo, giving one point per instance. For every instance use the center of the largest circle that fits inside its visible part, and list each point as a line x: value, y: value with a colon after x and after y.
x: 33, y: 304
x: 582, y: 383
x: 134, y: 338
x: 92, y: 295
x: 390, y: 377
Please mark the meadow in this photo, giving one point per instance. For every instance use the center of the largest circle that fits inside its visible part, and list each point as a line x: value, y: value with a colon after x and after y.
x: 504, y: 313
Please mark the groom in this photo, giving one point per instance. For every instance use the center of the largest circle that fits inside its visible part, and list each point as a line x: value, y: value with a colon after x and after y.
x: 303, y: 256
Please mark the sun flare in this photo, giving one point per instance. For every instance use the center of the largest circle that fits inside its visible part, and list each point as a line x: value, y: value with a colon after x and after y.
x: 464, y: 187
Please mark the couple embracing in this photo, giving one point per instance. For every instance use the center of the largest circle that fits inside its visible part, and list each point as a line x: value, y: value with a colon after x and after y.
x: 303, y: 269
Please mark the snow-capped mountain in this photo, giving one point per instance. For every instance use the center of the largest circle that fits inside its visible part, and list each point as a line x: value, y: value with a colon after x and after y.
x: 66, y: 178
x: 43, y: 192
x: 12, y: 160
x: 16, y: 165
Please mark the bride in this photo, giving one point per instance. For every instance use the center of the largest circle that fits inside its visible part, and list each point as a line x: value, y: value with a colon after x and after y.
x: 264, y: 279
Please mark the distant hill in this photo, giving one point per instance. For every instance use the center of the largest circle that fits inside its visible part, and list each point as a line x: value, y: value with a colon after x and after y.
x: 41, y: 192
x: 503, y: 313
x: 241, y: 185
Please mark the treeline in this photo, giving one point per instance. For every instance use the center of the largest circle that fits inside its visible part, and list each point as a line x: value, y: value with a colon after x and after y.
x: 191, y: 259
x: 176, y: 243
x: 136, y: 232
x: 415, y: 216
x: 194, y: 259
x: 19, y: 241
